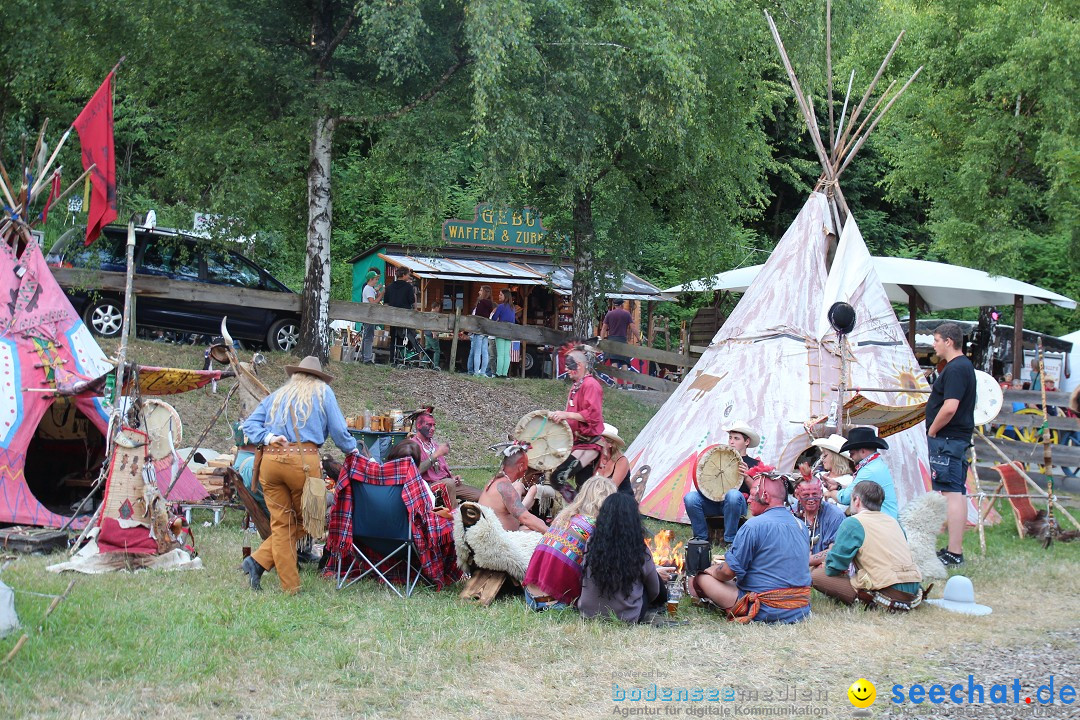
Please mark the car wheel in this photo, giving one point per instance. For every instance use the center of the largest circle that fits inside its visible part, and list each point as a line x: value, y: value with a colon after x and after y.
x: 284, y: 335
x: 105, y: 318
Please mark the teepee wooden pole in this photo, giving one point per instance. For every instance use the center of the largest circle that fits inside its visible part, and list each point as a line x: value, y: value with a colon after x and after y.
x: 837, y: 195
x: 828, y: 71
x: 808, y: 116
x: 869, y: 90
x: 56, y: 150
x: 843, y: 111
x: 842, y: 149
x: 862, y: 138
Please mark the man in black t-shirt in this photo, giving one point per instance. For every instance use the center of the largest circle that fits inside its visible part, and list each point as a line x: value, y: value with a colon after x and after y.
x: 950, y: 420
x: 400, y: 294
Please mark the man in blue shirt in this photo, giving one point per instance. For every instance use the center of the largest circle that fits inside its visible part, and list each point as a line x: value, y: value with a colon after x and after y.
x: 765, y: 575
x: 863, y: 445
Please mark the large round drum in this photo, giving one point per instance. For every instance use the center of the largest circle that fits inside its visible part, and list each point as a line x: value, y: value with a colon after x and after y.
x: 717, y: 471
x: 988, y: 398
x: 162, y: 424
x: 550, y: 441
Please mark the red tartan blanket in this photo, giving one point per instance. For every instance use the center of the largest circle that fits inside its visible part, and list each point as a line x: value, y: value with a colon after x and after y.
x: 432, y: 535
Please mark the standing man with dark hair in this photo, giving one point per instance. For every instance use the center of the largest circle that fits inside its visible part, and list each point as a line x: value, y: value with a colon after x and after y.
x: 400, y: 294
x: 617, y: 326
x: 950, y: 420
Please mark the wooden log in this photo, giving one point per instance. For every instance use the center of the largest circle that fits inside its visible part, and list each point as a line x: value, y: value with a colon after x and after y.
x: 1061, y: 399
x: 1054, y: 422
x: 642, y: 352
x: 484, y: 586
x: 653, y: 383
x: 535, y: 334
x: 152, y: 286
x: 454, y: 340
x: 1032, y: 453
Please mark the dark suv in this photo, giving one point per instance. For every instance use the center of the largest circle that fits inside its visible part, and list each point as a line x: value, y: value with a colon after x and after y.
x: 174, y: 255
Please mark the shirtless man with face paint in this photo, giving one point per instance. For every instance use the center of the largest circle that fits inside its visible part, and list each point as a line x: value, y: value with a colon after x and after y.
x: 504, y: 495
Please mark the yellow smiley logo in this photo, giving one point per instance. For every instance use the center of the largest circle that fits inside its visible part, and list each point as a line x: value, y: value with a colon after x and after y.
x: 862, y: 693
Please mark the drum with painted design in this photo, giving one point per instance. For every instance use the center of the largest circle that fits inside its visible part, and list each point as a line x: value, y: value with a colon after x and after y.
x: 717, y: 471
x: 549, y: 441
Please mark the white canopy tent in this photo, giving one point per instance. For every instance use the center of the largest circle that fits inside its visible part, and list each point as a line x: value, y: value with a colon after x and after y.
x: 939, y: 285
x: 922, y: 285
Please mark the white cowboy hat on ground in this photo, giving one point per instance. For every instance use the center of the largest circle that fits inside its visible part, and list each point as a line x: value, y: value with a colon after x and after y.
x: 834, y: 442
x: 612, y: 433
x: 740, y: 426
x: 311, y: 366
x: 960, y: 598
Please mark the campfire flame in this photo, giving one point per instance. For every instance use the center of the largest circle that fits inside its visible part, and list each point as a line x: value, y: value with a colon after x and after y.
x: 662, y: 551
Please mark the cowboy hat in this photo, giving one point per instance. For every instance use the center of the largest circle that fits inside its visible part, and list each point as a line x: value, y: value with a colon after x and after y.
x: 740, y: 426
x: 834, y: 442
x: 863, y: 437
x: 311, y: 366
x: 612, y: 433
x: 960, y: 598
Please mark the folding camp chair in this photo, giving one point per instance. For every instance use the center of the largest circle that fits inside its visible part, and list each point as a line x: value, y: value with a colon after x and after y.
x: 382, y: 538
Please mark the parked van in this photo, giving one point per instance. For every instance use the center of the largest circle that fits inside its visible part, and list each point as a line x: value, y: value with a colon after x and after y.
x: 177, y: 256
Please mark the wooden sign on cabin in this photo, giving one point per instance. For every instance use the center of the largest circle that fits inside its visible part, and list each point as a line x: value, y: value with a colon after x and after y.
x: 514, y: 229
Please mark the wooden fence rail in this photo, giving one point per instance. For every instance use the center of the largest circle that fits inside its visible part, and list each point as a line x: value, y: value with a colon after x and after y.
x: 159, y: 287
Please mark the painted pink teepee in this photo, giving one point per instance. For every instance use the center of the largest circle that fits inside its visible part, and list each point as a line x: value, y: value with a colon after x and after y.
x: 42, y: 343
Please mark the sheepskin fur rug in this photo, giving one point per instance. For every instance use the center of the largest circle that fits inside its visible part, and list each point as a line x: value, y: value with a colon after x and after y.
x: 481, y: 542
x: 922, y: 519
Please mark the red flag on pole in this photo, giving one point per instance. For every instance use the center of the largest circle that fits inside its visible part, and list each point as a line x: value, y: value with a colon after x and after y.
x: 95, y: 128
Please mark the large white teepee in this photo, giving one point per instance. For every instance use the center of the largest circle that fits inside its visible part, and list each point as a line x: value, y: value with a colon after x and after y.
x: 776, y: 362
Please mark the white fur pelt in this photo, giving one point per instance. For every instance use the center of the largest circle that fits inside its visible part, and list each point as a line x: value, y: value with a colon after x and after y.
x: 487, y: 545
x: 922, y: 519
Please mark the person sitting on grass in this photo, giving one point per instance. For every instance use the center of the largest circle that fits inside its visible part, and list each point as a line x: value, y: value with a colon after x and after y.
x: 619, y: 578
x: 504, y: 492
x: 886, y: 575
x: 553, y: 580
x: 821, y: 519
x: 764, y: 576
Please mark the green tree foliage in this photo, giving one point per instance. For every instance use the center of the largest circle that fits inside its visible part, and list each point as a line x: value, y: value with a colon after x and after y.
x: 617, y: 121
x: 987, y: 137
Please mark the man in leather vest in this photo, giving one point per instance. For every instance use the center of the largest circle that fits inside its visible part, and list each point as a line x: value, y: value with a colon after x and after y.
x: 885, y: 575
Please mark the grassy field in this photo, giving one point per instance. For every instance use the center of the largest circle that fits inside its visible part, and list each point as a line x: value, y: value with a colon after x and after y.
x: 199, y: 644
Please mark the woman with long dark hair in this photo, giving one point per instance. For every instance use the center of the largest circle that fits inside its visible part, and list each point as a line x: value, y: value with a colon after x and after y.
x: 620, y: 577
